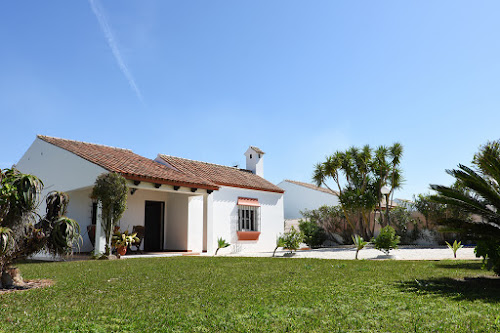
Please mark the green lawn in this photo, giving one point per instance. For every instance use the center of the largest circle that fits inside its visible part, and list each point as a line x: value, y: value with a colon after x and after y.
x: 197, y: 294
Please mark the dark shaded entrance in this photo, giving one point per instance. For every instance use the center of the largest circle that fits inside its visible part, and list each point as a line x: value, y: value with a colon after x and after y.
x: 153, y: 221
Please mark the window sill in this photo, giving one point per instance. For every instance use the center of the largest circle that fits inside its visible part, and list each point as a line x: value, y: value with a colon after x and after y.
x: 248, y: 235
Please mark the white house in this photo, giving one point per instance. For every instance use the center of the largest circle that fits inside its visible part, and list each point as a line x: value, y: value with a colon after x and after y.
x: 300, y: 196
x: 184, y: 205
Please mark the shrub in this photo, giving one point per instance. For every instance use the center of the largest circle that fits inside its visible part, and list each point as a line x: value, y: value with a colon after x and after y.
x: 280, y: 242
x: 490, y: 251
x: 386, y: 240
x: 292, y: 239
x: 314, y: 235
x: 331, y: 219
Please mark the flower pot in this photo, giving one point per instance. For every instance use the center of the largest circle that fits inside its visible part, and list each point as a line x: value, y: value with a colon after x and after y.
x: 122, y: 250
x: 248, y: 235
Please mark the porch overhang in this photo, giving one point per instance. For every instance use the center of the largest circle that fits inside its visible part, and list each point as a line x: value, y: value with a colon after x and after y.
x: 170, y: 182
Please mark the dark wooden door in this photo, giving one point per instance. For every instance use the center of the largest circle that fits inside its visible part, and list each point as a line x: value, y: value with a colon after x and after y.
x: 153, y: 221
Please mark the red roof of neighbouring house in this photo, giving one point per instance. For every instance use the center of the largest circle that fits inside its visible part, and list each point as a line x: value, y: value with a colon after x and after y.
x: 221, y: 175
x: 312, y: 187
x: 129, y: 164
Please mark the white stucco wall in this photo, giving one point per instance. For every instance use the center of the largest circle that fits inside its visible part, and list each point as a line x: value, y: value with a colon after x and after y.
x: 225, y: 219
x: 299, y: 198
x: 80, y: 210
x: 58, y: 169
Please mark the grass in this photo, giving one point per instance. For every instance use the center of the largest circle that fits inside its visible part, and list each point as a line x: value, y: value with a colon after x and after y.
x: 202, y: 294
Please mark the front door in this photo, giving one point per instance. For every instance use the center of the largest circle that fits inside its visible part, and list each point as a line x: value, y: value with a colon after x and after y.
x: 153, y: 221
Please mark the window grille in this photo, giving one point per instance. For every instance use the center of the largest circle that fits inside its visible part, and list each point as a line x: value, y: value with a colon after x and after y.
x: 248, y: 218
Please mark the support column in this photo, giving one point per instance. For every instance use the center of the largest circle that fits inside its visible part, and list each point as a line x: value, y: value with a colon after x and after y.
x: 195, y: 223
x: 208, y: 225
x: 100, y: 238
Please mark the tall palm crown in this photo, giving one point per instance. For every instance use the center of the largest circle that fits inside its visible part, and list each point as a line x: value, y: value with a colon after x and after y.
x: 476, y: 192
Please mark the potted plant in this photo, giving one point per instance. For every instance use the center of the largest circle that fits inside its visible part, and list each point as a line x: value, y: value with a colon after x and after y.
x: 121, y: 241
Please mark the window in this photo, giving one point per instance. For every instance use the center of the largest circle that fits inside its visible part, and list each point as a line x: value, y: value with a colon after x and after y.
x: 248, y: 218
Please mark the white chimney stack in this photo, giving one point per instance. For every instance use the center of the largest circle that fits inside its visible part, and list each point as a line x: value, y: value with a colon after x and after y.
x: 255, y: 160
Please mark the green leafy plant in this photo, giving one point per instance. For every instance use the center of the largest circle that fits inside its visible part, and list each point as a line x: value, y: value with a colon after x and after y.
x: 314, y: 235
x: 331, y: 219
x: 124, y: 239
x: 359, y: 174
x: 476, y: 192
x: 280, y: 242
x: 221, y: 243
x: 386, y: 240
x: 455, y: 247
x: 359, y: 243
x: 23, y: 232
x: 5, y: 239
x: 111, y: 190
x: 292, y: 240
x: 490, y: 251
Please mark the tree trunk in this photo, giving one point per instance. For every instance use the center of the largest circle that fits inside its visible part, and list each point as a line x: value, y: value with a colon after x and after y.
x: 11, y: 277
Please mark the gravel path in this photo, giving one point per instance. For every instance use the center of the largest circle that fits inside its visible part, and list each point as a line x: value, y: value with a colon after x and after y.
x: 402, y: 253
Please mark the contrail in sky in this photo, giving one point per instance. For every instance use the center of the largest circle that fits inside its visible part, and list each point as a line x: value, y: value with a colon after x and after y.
x: 103, y: 22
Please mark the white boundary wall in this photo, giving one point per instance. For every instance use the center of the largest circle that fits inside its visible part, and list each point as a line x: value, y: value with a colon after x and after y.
x: 299, y: 198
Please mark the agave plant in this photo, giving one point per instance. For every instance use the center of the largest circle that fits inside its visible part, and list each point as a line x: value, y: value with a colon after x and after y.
x: 65, y: 232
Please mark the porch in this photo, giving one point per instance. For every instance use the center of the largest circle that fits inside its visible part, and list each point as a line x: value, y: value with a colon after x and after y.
x: 174, y: 218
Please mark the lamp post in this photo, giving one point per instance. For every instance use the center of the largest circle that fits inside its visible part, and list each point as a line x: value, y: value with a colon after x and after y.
x: 385, y: 191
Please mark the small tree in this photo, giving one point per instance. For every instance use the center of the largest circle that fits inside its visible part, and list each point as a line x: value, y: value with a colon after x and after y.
x: 292, y: 240
x: 280, y: 242
x: 386, y: 240
x: 22, y: 231
x: 111, y: 190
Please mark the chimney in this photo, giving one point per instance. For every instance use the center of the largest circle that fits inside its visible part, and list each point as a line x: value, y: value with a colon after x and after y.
x: 255, y: 160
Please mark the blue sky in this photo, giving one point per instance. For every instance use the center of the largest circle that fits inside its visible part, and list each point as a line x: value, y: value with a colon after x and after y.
x: 299, y: 79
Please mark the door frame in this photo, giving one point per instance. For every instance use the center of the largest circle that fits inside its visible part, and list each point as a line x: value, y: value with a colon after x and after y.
x: 162, y: 223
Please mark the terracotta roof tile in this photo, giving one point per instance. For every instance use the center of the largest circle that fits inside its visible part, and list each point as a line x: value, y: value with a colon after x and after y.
x: 312, y: 187
x: 221, y: 174
x: 129, y: 164
x: 257, y: 150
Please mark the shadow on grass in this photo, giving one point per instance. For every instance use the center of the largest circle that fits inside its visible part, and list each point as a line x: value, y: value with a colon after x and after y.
x: 477, y: 288
x: 461, y: 265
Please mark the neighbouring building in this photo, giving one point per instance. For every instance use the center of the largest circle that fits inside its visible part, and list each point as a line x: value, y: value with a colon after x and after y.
x: 300, y: 196
x: 184, y: 205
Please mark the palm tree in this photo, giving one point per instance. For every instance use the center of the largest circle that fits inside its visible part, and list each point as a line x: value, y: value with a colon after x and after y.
x: 475, y: 193
x: 359, y: 174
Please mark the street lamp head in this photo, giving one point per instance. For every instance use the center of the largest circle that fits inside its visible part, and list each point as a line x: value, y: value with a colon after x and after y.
x: 385, y: 190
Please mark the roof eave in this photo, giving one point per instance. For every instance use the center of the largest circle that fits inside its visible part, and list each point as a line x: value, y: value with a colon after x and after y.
x: 169, y: 182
